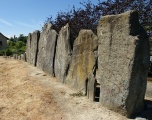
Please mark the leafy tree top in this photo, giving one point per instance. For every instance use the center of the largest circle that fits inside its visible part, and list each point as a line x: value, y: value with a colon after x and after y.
x: 88, y: 16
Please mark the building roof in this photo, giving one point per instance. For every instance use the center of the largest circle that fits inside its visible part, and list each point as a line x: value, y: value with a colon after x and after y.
x: 4, y: 36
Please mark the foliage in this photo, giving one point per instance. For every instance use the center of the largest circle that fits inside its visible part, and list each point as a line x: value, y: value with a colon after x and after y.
x: 11, y: 39
x: 15, y: 46
x: 88, y: 16
x: 144, y: 8
x: 22, y: 38
x: 8, y: 52
x: 11, y: 43
x: 77, y: 18
x: 2, y: 52
x: 19, y: 44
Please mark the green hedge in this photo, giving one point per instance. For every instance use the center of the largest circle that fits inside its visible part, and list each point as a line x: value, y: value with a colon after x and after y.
x: 18, y: 47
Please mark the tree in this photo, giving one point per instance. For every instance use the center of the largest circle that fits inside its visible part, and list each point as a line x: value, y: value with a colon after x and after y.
x: 89, y: 16
x: 19, y: 44
x: 11, y: 39
x: 11, y: 43
x: 144, y: 8
x: 8, y: 52
x: 78, y: 19
x: 22, y: 38
x: 15, y: 46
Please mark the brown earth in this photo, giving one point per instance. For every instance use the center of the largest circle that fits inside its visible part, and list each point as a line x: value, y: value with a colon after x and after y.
x: 27, y: 93
x: 150, y: 79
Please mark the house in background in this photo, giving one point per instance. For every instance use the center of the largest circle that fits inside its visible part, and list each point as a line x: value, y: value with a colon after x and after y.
x: 3, y: 41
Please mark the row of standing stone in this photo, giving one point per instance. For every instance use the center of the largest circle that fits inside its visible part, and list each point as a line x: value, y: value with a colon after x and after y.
x: 115, y: 60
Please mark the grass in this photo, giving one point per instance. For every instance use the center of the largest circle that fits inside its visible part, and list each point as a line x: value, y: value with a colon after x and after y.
x: 78, y: 94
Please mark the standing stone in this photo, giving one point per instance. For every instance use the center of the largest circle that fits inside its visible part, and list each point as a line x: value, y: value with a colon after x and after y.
x: 123, y: 60
x: 34, y: 47
x: 50, y: 52
x: 46, y: 52
x: 23, y: 57
x: 91, y: 86
x: 15, y: 56
x: 42, y: 49
x: 63, y: 53
x: 28, y: 48
x: 83, y: 60
x: 19, y: 57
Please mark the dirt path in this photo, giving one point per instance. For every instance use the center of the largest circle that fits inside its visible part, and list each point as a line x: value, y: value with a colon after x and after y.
x: 27, y: 93
x: 22, y: 97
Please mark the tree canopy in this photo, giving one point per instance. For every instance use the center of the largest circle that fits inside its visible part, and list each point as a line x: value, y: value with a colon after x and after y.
x: 16, y: 45
x: 88, y: 16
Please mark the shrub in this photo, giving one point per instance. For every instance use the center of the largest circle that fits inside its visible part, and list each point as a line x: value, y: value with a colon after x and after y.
x: 2, y: 52
x: 15, y: 47
x: 8, y: 52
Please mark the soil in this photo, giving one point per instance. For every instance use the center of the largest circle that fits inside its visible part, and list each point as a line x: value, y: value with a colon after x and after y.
x: 27, y: 93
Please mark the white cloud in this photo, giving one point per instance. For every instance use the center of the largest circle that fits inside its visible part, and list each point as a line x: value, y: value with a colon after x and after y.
x: 25, y: 24
x: 6, y: 22
x: 34, y: 25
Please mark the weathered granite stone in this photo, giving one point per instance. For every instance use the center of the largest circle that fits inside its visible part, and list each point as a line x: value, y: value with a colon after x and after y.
x: 15, y: 56
x: 34, y: 47
x: 123, y: 60
x: 91, y: 83
x: 63, y: 54
x: 23, y: 57
x: 93, y: 86
x: 46, y: 52
x: 19, y: 57
x: 83, y: 60
x: 28, y: 48
x: 50, y: 52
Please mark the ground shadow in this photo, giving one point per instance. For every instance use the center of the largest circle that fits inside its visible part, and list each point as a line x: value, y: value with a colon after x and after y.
x: 147, y: 112
x: 96, y: 91
x: 97, y: 94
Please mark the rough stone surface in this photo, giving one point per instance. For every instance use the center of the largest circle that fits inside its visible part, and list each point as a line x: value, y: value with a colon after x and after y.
x: 19, y: 57
x: 83, y: 60
x: 28, y: 48
x: 34, y: 47
x: 91, y: 87
x: 63, y: 54
x: 15, y: 56
x: 46, y: 48
x: 23, y: 57
x: 123, y: 60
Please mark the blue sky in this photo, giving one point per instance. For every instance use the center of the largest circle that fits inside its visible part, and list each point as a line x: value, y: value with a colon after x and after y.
x: 24, y: 16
